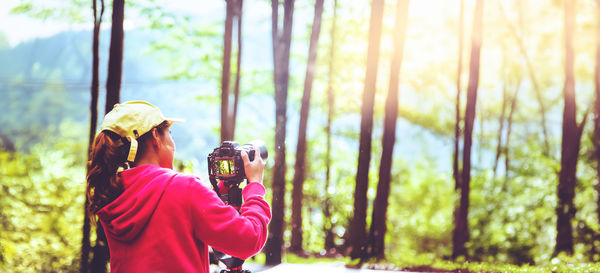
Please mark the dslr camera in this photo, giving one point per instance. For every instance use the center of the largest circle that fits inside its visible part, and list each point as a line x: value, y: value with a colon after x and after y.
x: 225, y: 162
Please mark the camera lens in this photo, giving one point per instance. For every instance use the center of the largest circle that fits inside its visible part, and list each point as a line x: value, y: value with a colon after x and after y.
x: 260, y: 146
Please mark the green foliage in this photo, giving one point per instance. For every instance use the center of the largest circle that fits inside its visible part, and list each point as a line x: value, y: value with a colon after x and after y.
x: 500, y: 211
x: 73, y: 11
x: 41, y: 204
x: 201, y: 43
x: 417, y: 225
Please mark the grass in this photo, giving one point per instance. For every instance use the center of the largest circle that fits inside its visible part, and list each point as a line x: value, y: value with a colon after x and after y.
x: 427, y: 264
x: 486, y: 267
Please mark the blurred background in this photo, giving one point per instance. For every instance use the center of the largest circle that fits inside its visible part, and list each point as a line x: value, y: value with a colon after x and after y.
x: 173, y: 57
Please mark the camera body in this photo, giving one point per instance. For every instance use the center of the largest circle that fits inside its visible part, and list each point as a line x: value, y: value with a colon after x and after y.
x: 225, y: 162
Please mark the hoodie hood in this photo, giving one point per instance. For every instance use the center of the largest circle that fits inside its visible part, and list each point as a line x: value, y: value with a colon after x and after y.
x: 126, y: 217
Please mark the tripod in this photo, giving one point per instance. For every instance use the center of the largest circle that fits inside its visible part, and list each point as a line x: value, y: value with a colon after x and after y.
x: 233, y: 197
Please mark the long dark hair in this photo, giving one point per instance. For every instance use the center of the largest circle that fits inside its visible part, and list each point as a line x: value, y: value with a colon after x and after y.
x: 108, y: 154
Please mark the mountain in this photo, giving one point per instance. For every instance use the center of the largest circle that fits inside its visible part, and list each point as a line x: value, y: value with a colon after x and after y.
x: 46, y: 81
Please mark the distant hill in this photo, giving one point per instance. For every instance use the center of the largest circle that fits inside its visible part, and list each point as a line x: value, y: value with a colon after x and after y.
x: 47, y: 81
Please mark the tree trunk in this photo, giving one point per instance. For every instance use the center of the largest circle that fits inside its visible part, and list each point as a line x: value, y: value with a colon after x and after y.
x: 95, y: 87
x: 501, y: 128
x: 101, y: 253
x: 533, y: 78
x: 358, y: 223
x: 85, y: 241
x: 281, y: 57
x: 596, y: 138
x: 457, y: 130
x: 238, y: 71
x: 115, y: 59
x: 461, y: 225
x: 380, y: 205
x: 94, y: 90
x: 513, y: 106
x: 113, y: 90
x: 226, y: 72
x: 233, y: 14
x: 570, y: 144
x: 300, y: 166
x: 455, y: 166
x: 327, y: 225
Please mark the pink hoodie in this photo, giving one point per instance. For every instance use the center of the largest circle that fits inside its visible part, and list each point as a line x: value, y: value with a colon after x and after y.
x: 165, y: 220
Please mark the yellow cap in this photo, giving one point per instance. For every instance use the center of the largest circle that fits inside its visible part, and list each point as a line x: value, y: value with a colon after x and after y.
x: 132, y: 119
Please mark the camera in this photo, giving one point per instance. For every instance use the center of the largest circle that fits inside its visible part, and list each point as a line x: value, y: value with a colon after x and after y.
x: 225, y: 162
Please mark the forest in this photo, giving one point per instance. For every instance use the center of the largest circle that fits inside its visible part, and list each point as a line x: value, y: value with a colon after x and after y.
x: 459, y: 134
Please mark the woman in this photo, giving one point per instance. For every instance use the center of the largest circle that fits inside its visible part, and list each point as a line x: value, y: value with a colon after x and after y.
x: 159, y: 220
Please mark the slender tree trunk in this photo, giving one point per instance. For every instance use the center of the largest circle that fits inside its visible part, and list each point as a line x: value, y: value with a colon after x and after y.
x: 596, y: 132
x: 281, y: 57
x: 480, y: 133
x: 226, y: 72
x: 457, y: 130
x: 95, y: 87
x: 380, y: 205
x: 513, y: 105
x: 233, y: 14
x: 514, y: 98
x: 236, y: 90
x: 115, y: 59
x: 327, y: 225
x: 94, y: 90
x: 596, y: 138
x: 113, y: 90
x: 101, y: 253
x: 300, y: 166
x: 565, y: 210
x: 501, y: 128
x: 461, y: 228
x: 85, y: 241
x: 531, y: 72
x: 358, y: 223
x: 455, y: 166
